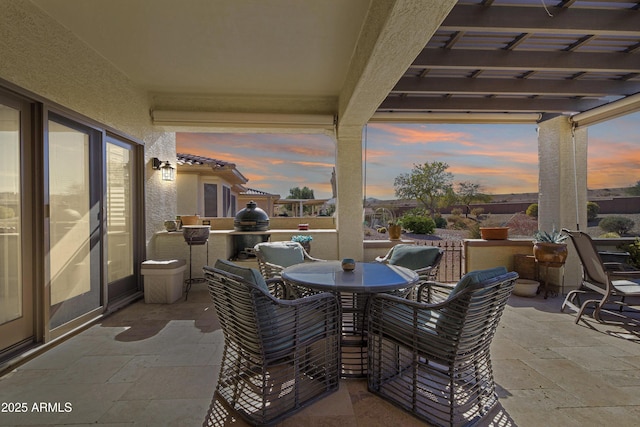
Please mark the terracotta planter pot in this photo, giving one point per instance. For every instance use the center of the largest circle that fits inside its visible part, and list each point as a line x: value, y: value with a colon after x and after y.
x: 190, y: 219
x: 395, y: 231
x: 555, y: 254
x: 494, y: 233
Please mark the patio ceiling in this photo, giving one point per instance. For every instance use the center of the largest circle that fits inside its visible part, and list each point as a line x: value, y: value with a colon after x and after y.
x: 524, y: 56
x: 283, y: 57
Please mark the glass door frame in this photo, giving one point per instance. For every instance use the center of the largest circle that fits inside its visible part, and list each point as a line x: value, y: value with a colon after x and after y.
x: 121, y: 292
x: 31, y: 253
x: 96, y: 169
x: 35, y: 214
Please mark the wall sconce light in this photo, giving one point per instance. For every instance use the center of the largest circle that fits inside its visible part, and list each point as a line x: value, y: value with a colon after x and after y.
x: 168, y: 171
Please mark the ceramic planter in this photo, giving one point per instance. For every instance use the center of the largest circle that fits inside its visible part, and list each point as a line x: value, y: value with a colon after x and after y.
x: 494, y: 233
x: 554, y: 254
x: 190, y: 219
x: 395, y: 231
x: 526, y: 288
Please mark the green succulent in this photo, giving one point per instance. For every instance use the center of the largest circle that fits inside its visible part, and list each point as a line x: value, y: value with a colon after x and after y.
x: 553, y: 236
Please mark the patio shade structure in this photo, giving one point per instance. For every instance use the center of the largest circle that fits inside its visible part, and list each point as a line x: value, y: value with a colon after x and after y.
x: 334, y: 66
x: 530, y: 58
x: 144, y: 71
x: 525, y: 57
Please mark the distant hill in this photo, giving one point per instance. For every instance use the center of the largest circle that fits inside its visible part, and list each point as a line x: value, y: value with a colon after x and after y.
x: 592, y: 195
x: 602, y: 193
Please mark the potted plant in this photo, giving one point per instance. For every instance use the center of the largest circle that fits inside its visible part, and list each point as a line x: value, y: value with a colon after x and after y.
x: 395, y: 229
x: 494, y: 233
x: 304, y: 240
x: 550, y: 247
x: 491, y: 230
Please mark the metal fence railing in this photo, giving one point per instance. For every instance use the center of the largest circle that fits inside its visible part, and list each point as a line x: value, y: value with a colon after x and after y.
x: 452, y: 264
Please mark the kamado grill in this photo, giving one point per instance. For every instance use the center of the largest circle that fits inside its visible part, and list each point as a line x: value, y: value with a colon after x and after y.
x: 248, y: 224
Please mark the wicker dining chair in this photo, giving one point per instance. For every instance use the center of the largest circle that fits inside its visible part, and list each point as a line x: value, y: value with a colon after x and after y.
x: 422, y: 259
x: 273, y: 257
x: 279, y: 355
x: 432, y: 358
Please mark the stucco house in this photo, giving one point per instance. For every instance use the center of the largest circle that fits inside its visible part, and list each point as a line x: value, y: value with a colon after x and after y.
x: 93, y: 93
x: 265, y: 201
x: 208, y: 187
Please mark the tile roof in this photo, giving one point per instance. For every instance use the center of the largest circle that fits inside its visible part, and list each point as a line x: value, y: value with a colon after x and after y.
x: 253, y: 191
x: 191, y: 159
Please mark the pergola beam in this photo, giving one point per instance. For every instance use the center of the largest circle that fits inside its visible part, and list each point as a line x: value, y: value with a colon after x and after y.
x: 497, y: 86
x: 560, y: 61
x: 534, y: 19
x: 469, y: 104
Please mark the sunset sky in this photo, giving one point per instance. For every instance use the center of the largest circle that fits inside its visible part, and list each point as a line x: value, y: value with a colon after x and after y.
x: 502, y: 158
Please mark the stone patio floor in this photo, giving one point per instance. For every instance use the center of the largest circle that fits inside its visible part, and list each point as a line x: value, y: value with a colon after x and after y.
x: 157, y: 365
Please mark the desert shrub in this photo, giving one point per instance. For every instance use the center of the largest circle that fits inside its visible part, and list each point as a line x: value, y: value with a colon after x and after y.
x: 474, y: 231
x: 418, y: 224
x: 617, y: 224
x: 532, y: 210
x: 477, y: 212
x: 592, y: 210
x: 461, y: 223
x: 440, y: 221
x: 522, y: 225
x: 382, y: 230
x: 456, y: 211
x: 418, y: 212
x: 634, y: 252
x: 609, y: 235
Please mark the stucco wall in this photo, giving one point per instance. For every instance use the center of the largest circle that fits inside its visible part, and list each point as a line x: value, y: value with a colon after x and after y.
x: 43, y: 57
x: 188, y: 189
x: 562, y: 195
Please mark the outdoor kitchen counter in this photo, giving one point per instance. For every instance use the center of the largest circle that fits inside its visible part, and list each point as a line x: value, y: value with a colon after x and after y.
x: 171, y: 245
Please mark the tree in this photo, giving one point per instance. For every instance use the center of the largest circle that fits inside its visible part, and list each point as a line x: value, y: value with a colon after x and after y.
x: 300, y: 193
x: 428, y: 183
x: 469, y: 192
x: 635, y: 190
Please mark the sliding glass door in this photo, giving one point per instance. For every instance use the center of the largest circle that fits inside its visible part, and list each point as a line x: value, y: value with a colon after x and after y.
x: 122, y: 225
x: 16, y: 280
x: 71, y: 221
x: 74, y: 221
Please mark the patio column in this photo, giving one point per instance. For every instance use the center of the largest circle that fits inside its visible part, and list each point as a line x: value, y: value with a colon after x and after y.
x: 562, y: 182
x: 349, y: 192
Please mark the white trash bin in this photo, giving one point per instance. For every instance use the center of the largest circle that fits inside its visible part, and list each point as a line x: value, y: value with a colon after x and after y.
x: 163, y: 280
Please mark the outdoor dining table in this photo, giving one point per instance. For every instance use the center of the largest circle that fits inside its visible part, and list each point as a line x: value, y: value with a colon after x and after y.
x: 354, y: 288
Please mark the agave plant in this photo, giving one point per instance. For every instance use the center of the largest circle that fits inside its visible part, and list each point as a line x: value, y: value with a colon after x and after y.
x: 553, y: 236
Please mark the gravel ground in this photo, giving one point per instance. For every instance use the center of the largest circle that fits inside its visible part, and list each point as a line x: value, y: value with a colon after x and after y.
x: 445, y: 234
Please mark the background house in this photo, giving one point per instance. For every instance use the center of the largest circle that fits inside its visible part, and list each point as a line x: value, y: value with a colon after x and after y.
x: 265, y: 201
x: 208, y: 187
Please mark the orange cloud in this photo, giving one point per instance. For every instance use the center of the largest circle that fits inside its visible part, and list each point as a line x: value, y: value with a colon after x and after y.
x: 417, y: 134
x: 612, y: 164
x: 315, y: 164
x: 301, y: 145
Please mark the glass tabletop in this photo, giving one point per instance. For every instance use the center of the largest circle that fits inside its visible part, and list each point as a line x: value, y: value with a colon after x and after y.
x: 367, y: 277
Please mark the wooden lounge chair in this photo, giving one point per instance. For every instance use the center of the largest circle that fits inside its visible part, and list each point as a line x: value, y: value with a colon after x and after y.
x: 279, y: 355
x: 432, y: 358
x: 614, y: 282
